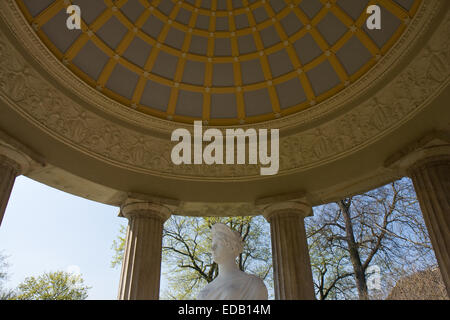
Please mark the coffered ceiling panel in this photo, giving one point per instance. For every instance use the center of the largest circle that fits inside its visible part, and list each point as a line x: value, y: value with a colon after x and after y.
x: 222, y: 61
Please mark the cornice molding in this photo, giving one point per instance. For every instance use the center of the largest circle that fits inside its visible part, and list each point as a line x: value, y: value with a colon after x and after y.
x: 287, y: 209
x: 433, y: 147
x: 147, y: 207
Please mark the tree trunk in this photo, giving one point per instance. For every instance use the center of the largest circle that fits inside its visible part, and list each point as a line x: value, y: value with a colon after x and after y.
x: 358, y: 269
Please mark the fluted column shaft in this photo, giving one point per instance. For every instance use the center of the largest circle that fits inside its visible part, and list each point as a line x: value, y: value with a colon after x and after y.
x: 431, y: 178
x: 290, y: 254
x: 141, y: 267
x: 9, y: 170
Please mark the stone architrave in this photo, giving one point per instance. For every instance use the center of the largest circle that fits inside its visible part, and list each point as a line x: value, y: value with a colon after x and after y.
x: 141, y: 266
x: 291, y: 261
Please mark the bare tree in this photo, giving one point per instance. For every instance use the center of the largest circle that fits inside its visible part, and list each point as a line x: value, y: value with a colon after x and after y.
x: 332, y: 279
x: 421, y: 285
x: 383, y: 227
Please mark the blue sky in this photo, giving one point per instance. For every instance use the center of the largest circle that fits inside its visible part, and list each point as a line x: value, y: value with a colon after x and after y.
x: 45, y: 229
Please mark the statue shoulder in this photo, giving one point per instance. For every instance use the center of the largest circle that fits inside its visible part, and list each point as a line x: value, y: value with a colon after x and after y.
x: 205, y: 292
x: 260, y: 286
x: 257, y: 280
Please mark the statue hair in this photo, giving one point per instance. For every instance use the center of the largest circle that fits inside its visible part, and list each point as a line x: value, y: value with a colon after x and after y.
x: 230, y: 238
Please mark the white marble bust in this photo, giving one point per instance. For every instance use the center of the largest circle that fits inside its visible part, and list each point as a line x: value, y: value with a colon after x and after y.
x: 231, y: 283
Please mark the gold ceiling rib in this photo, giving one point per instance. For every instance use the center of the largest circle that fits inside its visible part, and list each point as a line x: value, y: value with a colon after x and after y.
x: 161, y: 38
x: 142, y: 79
x: 99, y: 22
x: 355, y: 28
x: 114, y: 56
x: 219, y: 13
x: 48, y: 13
x: 394, y: 8
x: 236, y: 65
x: 263, y: 59
x: 293, y: 57
x: 217, y: 34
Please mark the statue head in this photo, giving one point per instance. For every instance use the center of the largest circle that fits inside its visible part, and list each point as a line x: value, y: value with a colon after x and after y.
x: 226, y: 243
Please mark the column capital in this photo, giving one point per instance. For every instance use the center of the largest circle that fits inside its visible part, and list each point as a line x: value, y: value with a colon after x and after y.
x: 15, y: 155
x: 287, y: 208
x: 433, y: 147
x: 9, y: 163
x: 11, y: 158
x: 137, y: 205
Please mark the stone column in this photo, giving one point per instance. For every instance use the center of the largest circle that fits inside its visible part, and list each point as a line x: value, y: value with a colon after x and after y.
x: 290, y: 254
x: 15, y: 159
x: 141, y: 266
x: 431, y: 178
x: 427, y: 162
x: 9, y: 170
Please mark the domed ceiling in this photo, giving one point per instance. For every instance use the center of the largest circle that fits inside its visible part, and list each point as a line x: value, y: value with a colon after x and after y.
x: 222, y: 61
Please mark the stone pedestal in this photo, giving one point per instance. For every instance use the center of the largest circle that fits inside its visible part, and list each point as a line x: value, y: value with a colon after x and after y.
x: 141, y: 267
x: 291, y: 262
x: 431, y: 178
x: 9, y: 170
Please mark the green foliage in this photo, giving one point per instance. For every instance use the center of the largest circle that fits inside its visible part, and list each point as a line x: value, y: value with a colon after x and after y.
x: 57, y: 285
x: 119, y: 246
